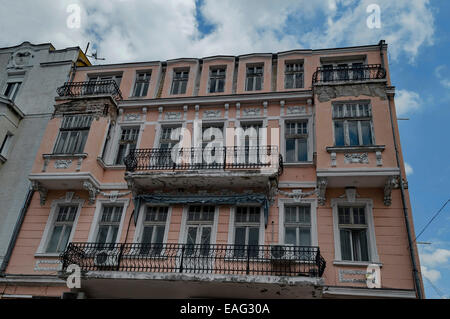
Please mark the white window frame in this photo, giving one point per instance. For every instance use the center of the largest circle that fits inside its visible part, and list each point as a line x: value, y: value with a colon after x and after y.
x: 309, y: 142
x: 133, y: 88
x: 289, y: 62
x: 282, y: 203
x: 182, y: 237
x: 232, y: 226
x: 357, y: 119
x: 174, y: 71
x: 41, y: 251
x: 17, y: 84
x: 210, y: 76
x: 111, y: 153
x: 367, y: 203
x: 100, y: 203
x: 60, y: 130
x: 127, y: 151
x: 254, y: 65
x: 140, y: 223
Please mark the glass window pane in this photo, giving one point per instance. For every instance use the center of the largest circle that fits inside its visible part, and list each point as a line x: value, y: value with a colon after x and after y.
x: 289, y: 81
x: 305, y: 236
x: 290, y: 150
x: 147, y: 234
x: 339, y: 133
x: 65, y: 238
x: 102, y: 234
x: 113, y: 236
x: 302, y: 155
x: 366, y: 133
x: 353, y: 132
x: 239, y: 236
x: 253, y: 236
x: 290, y: 236
x: 346, y: 250
x: 364, y: 246
x: 53, y: 243
x: 250, y: 83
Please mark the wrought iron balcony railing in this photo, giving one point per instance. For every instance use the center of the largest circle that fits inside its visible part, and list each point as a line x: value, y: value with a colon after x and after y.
x: 276, y: 260
x: 348, y: 74
x: 204, y: 158
x: 90, y: 88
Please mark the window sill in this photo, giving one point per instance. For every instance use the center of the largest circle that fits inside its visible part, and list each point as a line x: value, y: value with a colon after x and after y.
x: 2, y: 159
x: 358, y: 148
x: 299, y: 164
x: 56, y: 156
x: 53, y: 255
x: 355, y: 263
x: 110, y: 166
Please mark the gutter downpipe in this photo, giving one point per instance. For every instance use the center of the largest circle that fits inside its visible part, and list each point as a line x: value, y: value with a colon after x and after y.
x: 17, y: 227
x: 402, y: 190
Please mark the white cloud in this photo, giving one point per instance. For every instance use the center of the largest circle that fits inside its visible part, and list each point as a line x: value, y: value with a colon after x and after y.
x: 407, y: 102
x: 130, y: 30
x: 442, y: 79
x: 408, y: 169
x: 434, y: 258
x: 432, y: 274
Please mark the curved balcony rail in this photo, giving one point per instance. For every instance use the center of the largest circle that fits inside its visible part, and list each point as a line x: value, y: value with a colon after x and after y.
x: 197, y: 158
x: 276, y: 260
x: 90, y: 88
x: 348, y: 74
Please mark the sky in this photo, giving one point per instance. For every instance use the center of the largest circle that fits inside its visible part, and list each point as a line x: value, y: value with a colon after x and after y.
x: 416, y: 32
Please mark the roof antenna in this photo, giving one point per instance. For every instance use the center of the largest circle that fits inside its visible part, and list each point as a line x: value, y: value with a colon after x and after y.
x: 94, y: 54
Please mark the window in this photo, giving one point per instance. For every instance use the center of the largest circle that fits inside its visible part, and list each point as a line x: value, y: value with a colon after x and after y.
x: 108, y: 227
x: 246, y: 231
x: 199, y: 229
x: 73, y: 134
x: 293, y: 77
x: 12, y: 88
x: 251, y: 142
x: 327, y: 72
x: 180, y: 80
x: 216, y: 80
x: 343, y: 71
x: 296, y: 137
x: 352, y: 124
x: 154, y: 229
x: 254, y: 78
x: 62, y: 229
x: 142, y: 83
x: 297, y: 225
x: 212, y: 156
x: 127, y: 143
x: 4, y: 148
x: 99, y: 88
x: 116, y: 77
x: 353, y: 233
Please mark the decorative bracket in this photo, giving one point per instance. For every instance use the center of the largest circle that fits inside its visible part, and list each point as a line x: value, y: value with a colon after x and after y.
x: 42, y: 191
x: 93, y: 191
x: 322, y: 183
x: 391, y: 183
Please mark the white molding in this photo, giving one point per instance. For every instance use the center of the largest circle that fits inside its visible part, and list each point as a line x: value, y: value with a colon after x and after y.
x: 100, y: 202
x: 231, y: 226
x: 182, y: 239
x: 51, y: 220
x: 313, y: 204
x: 295, y: 184
x: 369, y: 292
x: 368, y: 204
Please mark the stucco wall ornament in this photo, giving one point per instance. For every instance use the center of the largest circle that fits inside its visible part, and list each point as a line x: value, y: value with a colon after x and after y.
x: 113, y: 195
x: 327, y: 92
x: 93, y: 191
x: 173, y: 116
x: 361, y: 158
x: 298, y: 109
x: 297, y: 194
x: 322, y: 183
x: 211, y: 114
x: 391, y: 183
x: 251, y: 112
x: 36, y: 186
x: 62, y: 164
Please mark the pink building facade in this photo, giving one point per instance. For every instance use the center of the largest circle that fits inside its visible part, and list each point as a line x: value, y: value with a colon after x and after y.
x: 310, y: 197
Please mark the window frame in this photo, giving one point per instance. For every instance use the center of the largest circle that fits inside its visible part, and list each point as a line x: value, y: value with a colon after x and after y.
x: 345, y: 119
x: 367, y: 203
x: 100, y: 203
x: 15, y: 90
x: 119, y: 139
x: 180, y: 80
x: 54, y: 209
x: 232, y: 224
x: 255, y: 75
x: 294, y: 73
x: 5, y: 146
x: 297, y: 138
x: 145, y: 83
x: 217, y: 78
x: 140, y: 224
x: 80, y: 130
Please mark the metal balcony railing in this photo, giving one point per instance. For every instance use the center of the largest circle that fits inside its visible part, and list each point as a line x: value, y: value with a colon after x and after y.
x: 90, y: 88
x: 204, y: 158
x: 276, y: 260
x: 348, y: 74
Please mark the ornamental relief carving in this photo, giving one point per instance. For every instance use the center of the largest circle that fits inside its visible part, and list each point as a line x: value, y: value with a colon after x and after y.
x: 350, y: 158
x: 298, y: 109
x: 62, y: 164
x: 251, y: 112
x: 211, y: 114
x: 327, y: 92
x: 172, y: 116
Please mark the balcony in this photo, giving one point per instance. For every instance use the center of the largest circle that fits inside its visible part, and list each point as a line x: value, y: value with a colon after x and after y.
x: 90, y: 88
x: 138, y: 270
x: 368, y: 72
x: 207, y: 168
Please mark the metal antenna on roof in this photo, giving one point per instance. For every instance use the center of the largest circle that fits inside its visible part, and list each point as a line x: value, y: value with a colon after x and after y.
x: 94, y: 54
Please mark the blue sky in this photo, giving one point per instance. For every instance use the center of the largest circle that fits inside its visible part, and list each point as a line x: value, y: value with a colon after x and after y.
x: 415, y: 30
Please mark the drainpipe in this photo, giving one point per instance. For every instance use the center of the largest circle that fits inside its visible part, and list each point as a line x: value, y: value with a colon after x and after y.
x: 418, y: 285
x: 17, y: 227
